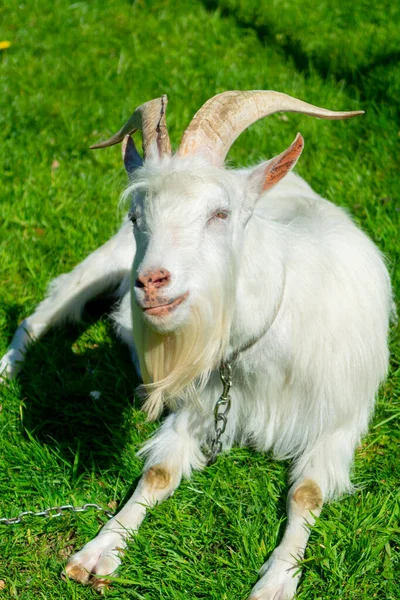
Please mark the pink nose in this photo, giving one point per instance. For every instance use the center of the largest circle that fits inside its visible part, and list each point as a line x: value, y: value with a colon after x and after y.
x: 156, y: 278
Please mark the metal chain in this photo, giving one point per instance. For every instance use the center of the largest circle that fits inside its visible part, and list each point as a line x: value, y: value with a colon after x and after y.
x: 221, y: 410
x: 55, y: 511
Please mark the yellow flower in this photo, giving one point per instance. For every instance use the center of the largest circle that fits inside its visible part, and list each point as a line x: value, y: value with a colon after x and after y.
x: 4, y: 45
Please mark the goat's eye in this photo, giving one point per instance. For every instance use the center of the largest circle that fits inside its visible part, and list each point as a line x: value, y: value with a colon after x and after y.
x: 220, y: 214
x: 133, y: 218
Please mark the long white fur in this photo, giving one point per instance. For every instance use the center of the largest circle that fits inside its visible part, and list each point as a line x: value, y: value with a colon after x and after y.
x: 305, y: 298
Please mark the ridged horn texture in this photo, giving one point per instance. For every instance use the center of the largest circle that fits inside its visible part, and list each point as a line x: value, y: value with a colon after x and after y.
x: 150, y: 119
x: 224, y: 117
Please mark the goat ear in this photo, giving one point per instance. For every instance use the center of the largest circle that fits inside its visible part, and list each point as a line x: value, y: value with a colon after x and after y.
x: 268, y: 174
x: 131, y: 157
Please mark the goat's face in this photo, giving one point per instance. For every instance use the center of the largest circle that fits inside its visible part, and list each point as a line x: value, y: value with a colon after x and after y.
x: 185, y: 223
x: 189, y: 223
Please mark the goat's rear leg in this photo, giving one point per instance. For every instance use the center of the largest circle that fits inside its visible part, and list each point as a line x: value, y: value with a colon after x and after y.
x: 280, y: 574
x: 68, y: 294
x: 172, y: 452
x: 319, y: 474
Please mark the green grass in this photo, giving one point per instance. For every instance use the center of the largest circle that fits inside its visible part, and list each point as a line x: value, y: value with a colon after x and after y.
x: 74, y: 72
x: 345, y: 39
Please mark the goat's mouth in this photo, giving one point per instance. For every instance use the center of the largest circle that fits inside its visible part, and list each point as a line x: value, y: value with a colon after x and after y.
x: 162, y: 310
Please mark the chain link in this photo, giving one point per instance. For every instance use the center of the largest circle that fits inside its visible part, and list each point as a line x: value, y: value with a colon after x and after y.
x: 55, y: 511
x: 221, y: 410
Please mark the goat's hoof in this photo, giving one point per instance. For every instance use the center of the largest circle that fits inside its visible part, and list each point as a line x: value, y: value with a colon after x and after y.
x: 92, y: 565
x: 100, y: 584
x: 77, y: 573
x: 278, y: 580
x: 8, y: 369
x: 81, y: 575
x: 270, y: 594
x: 273, y: 593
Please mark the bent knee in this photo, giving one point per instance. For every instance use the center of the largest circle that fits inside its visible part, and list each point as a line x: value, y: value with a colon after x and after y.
x: 157, y: 477
x: 307, y: 497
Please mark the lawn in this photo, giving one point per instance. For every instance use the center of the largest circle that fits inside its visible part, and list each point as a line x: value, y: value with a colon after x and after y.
x: 73, y: 73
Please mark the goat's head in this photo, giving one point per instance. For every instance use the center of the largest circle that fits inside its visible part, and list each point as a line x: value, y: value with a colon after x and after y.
x: 189, y: 215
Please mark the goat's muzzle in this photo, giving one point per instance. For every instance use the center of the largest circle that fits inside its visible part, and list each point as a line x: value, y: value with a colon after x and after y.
x: 162, y: 310
x: 152, y: 296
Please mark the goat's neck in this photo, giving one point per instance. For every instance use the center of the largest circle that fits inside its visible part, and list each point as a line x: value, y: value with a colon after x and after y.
x: 260, y: 284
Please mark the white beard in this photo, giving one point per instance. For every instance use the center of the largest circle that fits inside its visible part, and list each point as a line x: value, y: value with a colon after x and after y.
x: 176, y: 366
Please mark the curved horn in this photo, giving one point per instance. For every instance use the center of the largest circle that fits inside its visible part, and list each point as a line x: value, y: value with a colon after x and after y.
x: 224, y: 117
x: 150, y: 119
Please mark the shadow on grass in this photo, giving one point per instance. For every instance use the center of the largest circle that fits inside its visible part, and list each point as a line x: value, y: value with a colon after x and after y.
x: 12, y: 317
x: 57, y: 383
x: 356, y: 79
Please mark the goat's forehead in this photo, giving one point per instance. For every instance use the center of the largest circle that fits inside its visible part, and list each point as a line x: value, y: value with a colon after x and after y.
x: 185, y: 182
x: 178, y: 190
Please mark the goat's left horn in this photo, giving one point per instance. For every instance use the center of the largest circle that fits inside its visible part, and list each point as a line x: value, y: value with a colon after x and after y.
x: 224, y: 117
x: 150, y: 119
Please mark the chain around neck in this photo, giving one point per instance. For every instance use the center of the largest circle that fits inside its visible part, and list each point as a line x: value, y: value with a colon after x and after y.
x: 221, y: 410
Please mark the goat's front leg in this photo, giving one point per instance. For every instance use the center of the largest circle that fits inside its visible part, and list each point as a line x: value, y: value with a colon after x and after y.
x: 102, y: 555
x: 280, y: 574
x: 173, y: 452
x: 103, y: 269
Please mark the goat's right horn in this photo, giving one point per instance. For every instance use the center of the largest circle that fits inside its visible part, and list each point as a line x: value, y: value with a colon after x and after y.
x: 150, y: 119
x: 224, y: 117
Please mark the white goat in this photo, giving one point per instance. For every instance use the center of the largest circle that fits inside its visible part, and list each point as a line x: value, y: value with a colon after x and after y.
x: 247, y: 267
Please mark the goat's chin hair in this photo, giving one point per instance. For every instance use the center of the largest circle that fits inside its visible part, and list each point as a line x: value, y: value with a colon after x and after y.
x: 176, y: 366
